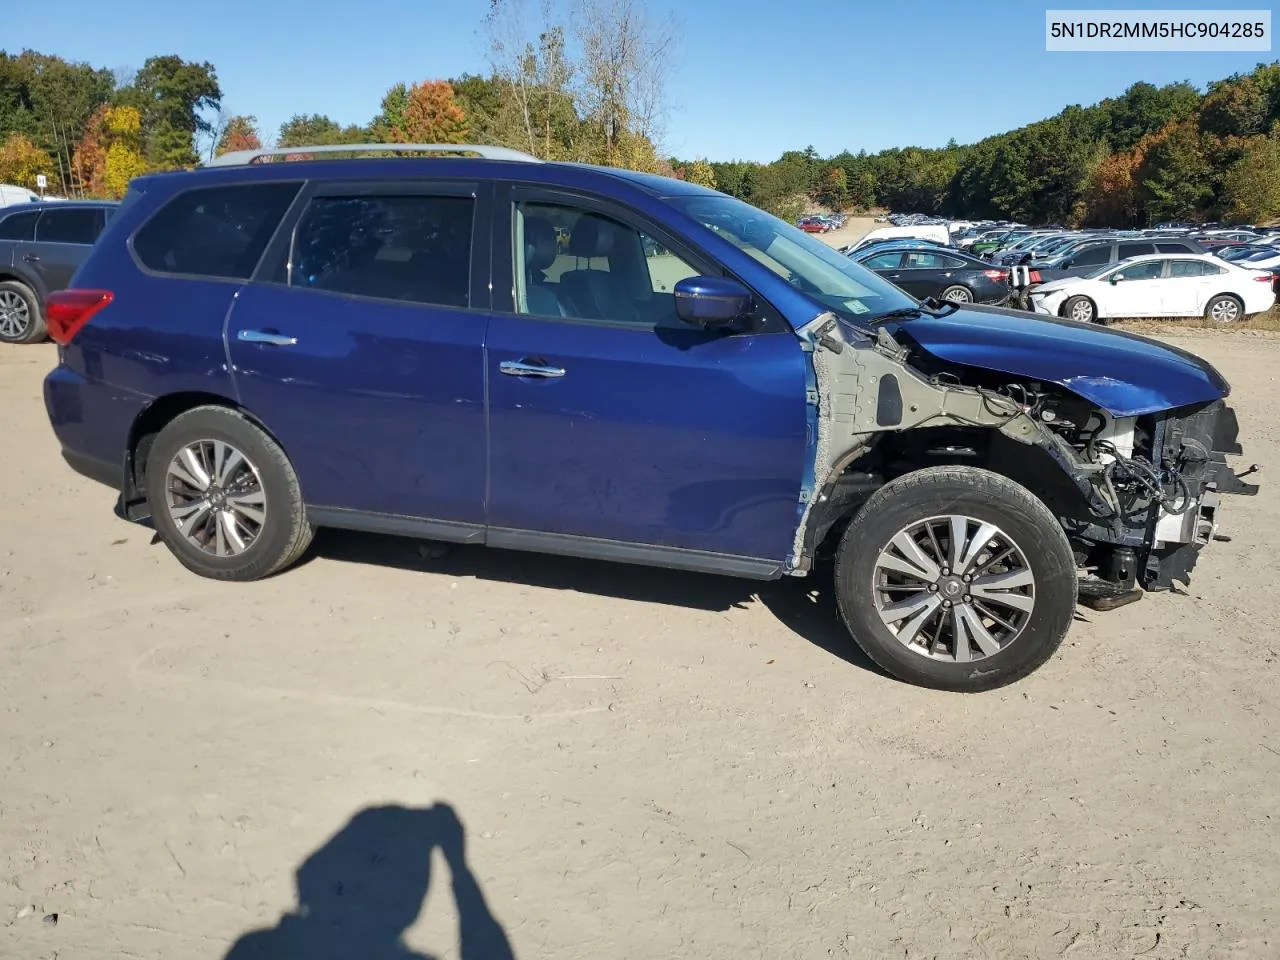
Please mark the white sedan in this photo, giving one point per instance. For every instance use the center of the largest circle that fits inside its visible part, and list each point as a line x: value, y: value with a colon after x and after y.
x: 1164, y: 285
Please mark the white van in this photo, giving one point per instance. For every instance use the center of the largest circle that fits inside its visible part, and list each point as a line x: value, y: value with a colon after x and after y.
x: 936, y: 232
x: 9, y: 195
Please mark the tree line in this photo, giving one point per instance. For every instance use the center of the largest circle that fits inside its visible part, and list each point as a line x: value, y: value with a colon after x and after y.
x: 1151, y: 155
x: 591, y: 88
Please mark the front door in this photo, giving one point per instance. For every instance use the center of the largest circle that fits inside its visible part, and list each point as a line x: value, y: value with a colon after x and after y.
x: 361, y: 350
x: 1139, y: 293
x: 615, y: 428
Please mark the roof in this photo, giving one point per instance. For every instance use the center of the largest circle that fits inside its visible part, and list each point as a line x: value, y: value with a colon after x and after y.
x: 55, y: 205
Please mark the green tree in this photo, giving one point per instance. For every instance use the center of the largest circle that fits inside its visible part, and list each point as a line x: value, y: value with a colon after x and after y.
x: 1235, y: 107
x: 1252, y: 185
x: 172, y: 95
x: 833, y: 188
x: 1145, y: 108
x: 317, y: 130
x: 49, y: 100
x: 1176, y: 174
x: 389, y: 125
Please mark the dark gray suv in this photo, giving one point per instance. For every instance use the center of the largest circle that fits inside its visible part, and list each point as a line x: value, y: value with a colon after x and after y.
x: 41, y: 246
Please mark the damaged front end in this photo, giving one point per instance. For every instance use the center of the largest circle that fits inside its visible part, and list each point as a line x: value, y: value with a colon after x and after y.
x: 1136, y: 489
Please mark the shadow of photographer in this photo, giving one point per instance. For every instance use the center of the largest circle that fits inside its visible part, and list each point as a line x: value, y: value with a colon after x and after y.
x: 360, y: 892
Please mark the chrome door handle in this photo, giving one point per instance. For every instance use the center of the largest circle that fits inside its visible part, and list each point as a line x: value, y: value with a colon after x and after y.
x: 521, y: 368
x: 266, y: 336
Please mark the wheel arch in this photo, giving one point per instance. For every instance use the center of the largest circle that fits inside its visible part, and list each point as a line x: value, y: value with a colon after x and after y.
x: 890, y: 455
x: 146, y: 427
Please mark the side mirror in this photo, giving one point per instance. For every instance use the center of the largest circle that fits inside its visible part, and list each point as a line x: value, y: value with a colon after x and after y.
x: 1066, y: 264
x: 1116, y: 278
x: 711, y: 301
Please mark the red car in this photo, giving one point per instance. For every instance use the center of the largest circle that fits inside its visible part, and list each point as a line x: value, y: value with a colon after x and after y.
x: 813, y: 226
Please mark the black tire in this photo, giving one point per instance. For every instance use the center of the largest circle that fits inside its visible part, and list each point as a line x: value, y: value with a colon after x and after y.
x: 34, y: 330
x: 284, y: 535
x: 982, y: 496
x: 1087, y: 309
x: 1222, y: 304
x: 956, y: 293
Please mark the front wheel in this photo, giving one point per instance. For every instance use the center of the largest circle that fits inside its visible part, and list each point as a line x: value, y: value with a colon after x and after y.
x: 956, y: 578
x: 224, y: 497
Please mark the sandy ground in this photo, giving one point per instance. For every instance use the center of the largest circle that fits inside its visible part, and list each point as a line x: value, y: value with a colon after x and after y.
x: 646, y: 764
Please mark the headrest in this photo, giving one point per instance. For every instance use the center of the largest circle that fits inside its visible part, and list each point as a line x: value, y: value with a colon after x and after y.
x: 540, y: 247
x: 591, y: 237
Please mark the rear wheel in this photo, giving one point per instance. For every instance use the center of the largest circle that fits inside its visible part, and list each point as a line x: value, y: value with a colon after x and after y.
x: 957, y: 294
x: 956, y: 578
x: 1081, y: 309
x: 21, y: 319
x: 224, y: 497
x: 1224, y: 309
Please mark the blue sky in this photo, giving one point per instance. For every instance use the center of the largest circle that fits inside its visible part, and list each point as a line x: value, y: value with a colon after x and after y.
x: 750, y: 78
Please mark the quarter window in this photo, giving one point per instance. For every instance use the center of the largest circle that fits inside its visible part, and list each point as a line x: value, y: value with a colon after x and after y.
x: 19, y: 226
x: 215, y: 231
x: 412, y: 248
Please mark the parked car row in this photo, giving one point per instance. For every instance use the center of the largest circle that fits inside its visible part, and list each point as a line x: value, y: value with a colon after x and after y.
x: 821, y: 222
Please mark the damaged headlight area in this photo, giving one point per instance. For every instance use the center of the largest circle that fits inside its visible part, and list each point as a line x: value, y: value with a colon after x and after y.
x: 1137, y: 496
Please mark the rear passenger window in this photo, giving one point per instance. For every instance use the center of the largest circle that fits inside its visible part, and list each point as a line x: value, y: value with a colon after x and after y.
x: 69, y: 226
x: 19, y: 226
x: 214, y: 231
x: 411, y: 248
x: 1193, y: 268
x: 1094, y: 256
x: 1136, y: 250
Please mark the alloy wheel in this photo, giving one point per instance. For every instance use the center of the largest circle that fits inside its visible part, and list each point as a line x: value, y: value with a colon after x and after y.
x: 1225, y: 310
x: 15, y: 315
x: 953, y: 588
x: 215, y: 497
x: 958, y: 295
x: 1082, y: 311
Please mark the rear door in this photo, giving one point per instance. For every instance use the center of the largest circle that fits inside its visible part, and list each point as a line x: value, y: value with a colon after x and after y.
x: 1185, y: 288
x: 359, y: 344
x: 926, y: 274
x: 63, y: 238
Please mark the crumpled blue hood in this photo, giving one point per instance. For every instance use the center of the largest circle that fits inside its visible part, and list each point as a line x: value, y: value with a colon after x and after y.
x: 1124, y: 374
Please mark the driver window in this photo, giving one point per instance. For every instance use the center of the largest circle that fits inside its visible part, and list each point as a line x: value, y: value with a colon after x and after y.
x: 577, y: 263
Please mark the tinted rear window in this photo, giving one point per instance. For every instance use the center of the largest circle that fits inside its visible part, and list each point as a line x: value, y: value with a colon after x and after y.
x: 77, y: 225
x: 1135, y: 250
x: 413, y: 248
x: 1175, y: 248
x: 19, y: 226
x: 214, y: 231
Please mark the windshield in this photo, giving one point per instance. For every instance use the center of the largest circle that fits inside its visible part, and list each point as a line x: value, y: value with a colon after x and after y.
x: 1098, y: 271
x: 835, y: 281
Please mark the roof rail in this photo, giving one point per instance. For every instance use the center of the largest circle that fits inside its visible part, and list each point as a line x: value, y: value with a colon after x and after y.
x: 238, y: 158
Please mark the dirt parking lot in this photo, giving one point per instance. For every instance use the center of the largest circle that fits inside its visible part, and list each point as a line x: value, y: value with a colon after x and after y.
x: 645, y: 764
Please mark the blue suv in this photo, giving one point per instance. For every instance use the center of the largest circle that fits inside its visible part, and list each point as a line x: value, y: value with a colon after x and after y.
x: 466, y: 344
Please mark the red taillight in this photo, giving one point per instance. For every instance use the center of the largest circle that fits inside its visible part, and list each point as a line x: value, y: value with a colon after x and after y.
x: 1265, y: 278
x: 996, y: 274
x: 67, y: 311
x: 1035, y: 276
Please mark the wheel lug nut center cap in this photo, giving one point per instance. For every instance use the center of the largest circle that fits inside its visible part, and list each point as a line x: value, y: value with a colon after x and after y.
x: 950, y: 588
